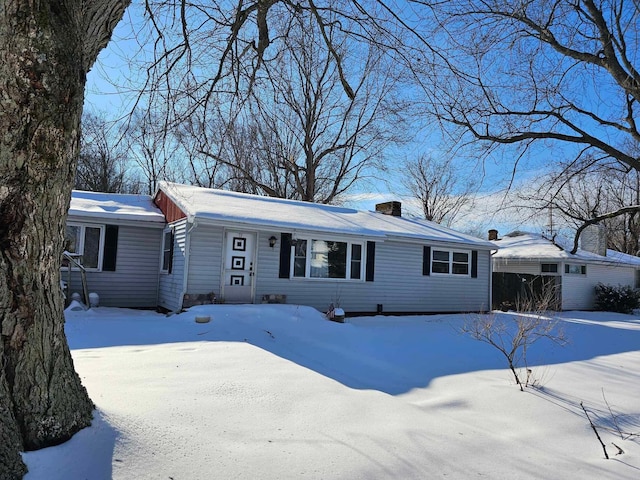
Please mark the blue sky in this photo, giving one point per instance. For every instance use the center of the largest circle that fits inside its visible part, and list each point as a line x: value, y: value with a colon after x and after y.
x: 107, y: 91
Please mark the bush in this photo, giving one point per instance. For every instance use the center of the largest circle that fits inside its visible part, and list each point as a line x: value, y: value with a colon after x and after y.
x: 620, y: 298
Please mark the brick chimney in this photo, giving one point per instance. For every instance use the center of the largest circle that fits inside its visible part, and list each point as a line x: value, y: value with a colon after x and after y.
x: 493, y: 235
x: 390, y: 208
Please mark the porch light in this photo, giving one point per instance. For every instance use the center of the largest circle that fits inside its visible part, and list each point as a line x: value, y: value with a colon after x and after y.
x: 272, y: 241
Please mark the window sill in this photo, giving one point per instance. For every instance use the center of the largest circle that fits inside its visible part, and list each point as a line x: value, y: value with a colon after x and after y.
x: 314, y: 279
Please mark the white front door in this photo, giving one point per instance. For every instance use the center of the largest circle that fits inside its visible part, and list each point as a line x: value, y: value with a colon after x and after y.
x: 238, y: 267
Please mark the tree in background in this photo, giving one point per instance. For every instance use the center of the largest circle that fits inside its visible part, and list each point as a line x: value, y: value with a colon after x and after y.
x: 576, y: 198
x: 298, y: 134
x: 562, y: 76
x: 441, y: 189
x: 103, y: 159
x: 152, y: 151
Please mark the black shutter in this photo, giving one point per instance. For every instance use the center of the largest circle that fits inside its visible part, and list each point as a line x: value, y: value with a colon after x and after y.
x: 171, y: 240
x: 110, y: 248
x: 566, y: 268
x: 285, y: 255
x: 474, y: 264
x: 371, y: 261
x: 426, y: 260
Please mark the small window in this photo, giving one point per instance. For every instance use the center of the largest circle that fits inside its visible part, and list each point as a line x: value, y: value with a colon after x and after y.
x: 572, y: 269
x: 167, y: 251
x: 92, y: 247
x: 460, y: 263
x: 300, y: 258
x: 549, y: 268
x: 450, y: 262
x: 356, y: 261
x: 72, y: 239
x: 86, y: 241
x: 440, y: 261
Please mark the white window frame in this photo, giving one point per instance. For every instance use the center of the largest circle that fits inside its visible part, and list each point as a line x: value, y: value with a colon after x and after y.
x: 451, y: 252
x: 166, y: 231
x: 82, y: 240
x: 307, y: 269
x: 557, y: 272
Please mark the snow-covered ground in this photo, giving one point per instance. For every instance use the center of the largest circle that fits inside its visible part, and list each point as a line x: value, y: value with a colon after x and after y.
x: 278, y: 392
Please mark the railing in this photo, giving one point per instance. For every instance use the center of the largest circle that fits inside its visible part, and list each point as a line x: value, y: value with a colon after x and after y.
x: 74, y: 259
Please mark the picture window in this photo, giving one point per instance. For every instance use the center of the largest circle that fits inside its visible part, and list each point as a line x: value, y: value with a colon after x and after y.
x: 315, y: 258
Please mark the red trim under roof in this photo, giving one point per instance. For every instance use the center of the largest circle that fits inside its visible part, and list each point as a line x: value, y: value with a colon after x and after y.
x: 170, y: 210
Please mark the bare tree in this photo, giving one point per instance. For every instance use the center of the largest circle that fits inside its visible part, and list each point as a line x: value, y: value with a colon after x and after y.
x: 440, y: 188
x: 587, y: 197
x: 103, y: 160
x: 558, y: 75
x: 151, y: 149
x: 299, y: 135
x: 224, y: 151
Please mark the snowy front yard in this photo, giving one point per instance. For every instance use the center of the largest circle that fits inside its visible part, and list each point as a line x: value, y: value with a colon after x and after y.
x: 277, y: 391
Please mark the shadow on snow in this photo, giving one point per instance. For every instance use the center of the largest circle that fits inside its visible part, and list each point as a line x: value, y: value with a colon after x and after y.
x: 389, y: 354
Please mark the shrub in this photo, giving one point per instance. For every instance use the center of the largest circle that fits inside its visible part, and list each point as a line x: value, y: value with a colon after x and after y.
x: 514, y: 335
x: 621, y: 298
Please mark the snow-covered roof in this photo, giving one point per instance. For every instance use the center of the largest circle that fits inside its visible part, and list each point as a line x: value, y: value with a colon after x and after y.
x: 623, y: 257
x: 114, y: 207
x: 292, y: 215
x: 533, y: 246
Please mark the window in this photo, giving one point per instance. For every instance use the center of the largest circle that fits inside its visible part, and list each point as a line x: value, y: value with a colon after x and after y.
x: 300, y: 258
x: 314, y: 258
x: 86, y: 241
x: 575, y: 269
x: 167, y: 251
x: 549, y: 267
x: 356, y: 261
x: 460, y: 264
x: 450, y: 262
x: 440, y: 263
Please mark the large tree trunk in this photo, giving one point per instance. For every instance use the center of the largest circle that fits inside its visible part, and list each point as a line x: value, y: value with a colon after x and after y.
x: 46, y: 48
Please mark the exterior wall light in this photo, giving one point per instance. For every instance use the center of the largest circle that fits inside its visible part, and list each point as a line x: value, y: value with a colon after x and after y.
x: 272, y: 241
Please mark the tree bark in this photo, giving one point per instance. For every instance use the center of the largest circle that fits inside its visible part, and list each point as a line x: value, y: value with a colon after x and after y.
x: 46, y: 49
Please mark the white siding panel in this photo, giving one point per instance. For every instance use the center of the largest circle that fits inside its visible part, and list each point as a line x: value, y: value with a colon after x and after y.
x: 205, y: 259
x: 398, y: 285
x: 134, y: 283
x: 610, y: 275
x: 578, y: 291
x: 171, y: 284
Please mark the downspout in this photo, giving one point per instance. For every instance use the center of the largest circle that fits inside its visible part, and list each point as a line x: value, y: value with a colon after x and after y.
x: 187, y: 251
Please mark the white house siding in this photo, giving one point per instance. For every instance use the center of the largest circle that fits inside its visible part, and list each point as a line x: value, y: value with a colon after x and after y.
x: 134, y: 283
x: 398, y: 284
x: 171, y: 284
x: 578, y: 291
x: 205, y: 259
